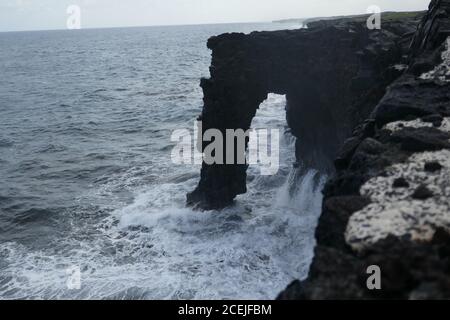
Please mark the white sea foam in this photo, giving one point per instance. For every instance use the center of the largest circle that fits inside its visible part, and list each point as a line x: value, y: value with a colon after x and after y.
x: 155, y: 248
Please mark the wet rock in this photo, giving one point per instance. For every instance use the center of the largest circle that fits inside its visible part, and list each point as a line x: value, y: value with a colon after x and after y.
x: 330, y: 262
x: 422, y: 193
x: 292, y: 292
x: 433, y: 166
x: 400, y: 183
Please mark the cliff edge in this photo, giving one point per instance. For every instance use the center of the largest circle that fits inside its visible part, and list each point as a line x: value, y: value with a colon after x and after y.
x: 371, y: 108
x: 388, y: 204
x: 332, y: 76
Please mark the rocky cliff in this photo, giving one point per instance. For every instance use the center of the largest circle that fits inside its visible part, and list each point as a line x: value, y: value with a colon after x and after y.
x: 388, y: 203
x: 333, y: 75
x: 372, y: 109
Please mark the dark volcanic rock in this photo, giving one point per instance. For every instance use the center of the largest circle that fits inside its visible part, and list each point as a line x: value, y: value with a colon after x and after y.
x: 410, y: 269
x: 336, y: 212
x: 343, y: 85
x: 422, y: 139
x: 333, y: 76
x: 433, y: 166
x: 407, y: 99
x: 328, y: 263
x: 422, y: 193
x: 371, y: 146
x: 435, y: 119
x: 400, y: 183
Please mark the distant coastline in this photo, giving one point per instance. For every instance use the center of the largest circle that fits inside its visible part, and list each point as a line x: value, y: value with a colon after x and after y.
x: 389, y: 15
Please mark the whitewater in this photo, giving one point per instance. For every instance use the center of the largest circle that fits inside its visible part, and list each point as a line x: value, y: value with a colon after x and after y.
x: 89, y: 182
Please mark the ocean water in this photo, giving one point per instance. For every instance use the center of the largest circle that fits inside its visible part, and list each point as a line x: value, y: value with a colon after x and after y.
x: 87, y: 180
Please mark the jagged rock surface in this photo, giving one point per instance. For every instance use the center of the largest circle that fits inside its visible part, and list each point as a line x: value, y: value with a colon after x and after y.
x: 388, y: 203
x: 332, y: 75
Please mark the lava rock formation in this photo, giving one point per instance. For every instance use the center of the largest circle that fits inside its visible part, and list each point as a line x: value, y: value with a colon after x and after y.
x: 389, y: 205
x: 371, y: 108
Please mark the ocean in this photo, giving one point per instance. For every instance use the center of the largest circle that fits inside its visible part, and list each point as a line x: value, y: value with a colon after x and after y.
x: 86, y: 118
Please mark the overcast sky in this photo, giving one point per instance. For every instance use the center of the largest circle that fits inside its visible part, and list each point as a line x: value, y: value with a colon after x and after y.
x: 51, y: 14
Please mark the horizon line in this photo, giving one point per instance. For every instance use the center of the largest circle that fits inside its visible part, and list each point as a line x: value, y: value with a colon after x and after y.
x: 139, y: 26
x: 283, y: 20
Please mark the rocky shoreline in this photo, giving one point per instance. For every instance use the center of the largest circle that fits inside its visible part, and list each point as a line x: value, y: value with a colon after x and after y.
x: 371, y: 108
x: 333, y: 76
x: 388, y: 203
